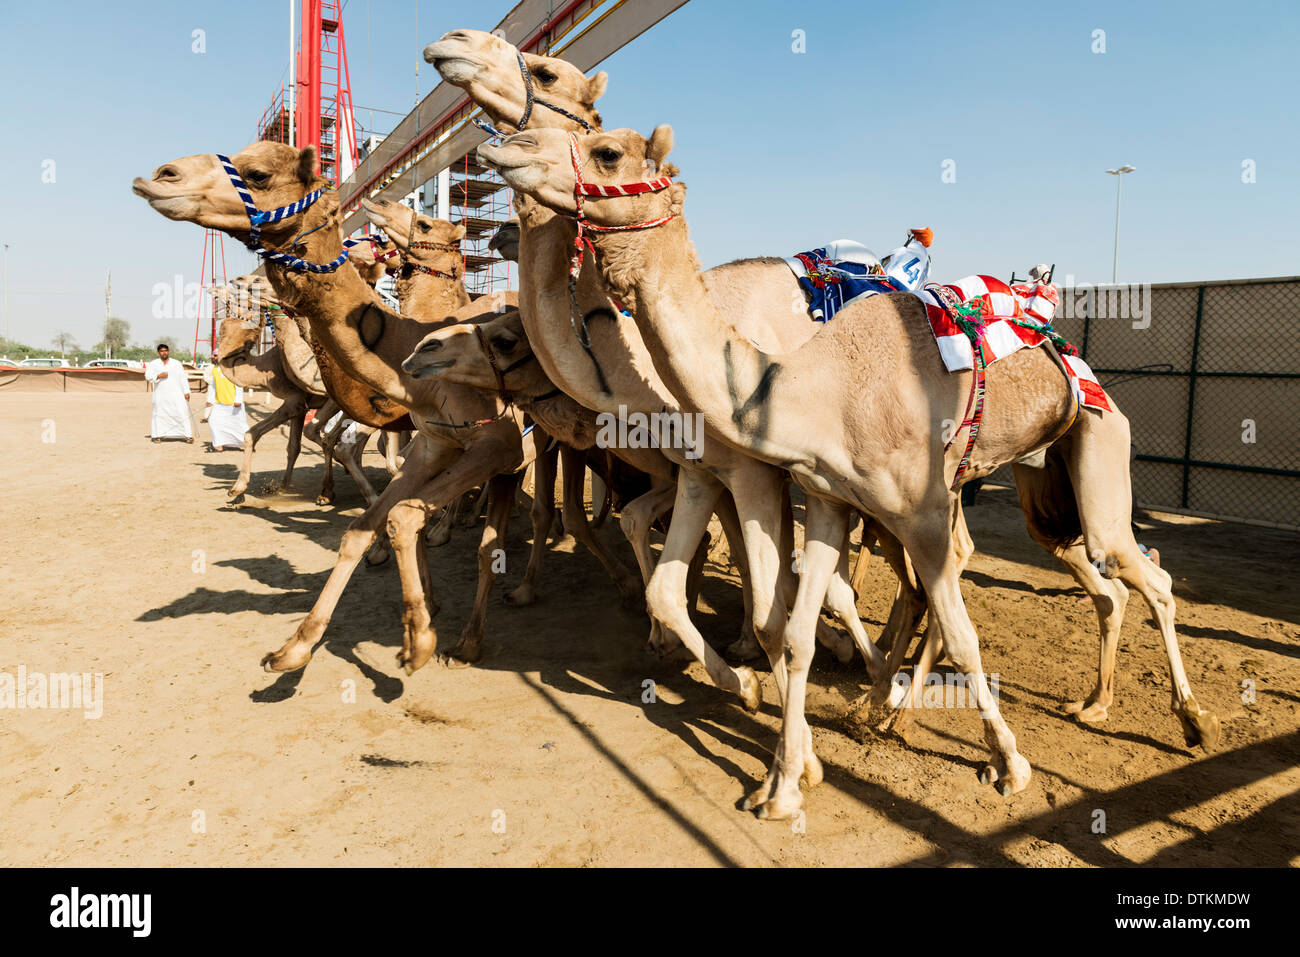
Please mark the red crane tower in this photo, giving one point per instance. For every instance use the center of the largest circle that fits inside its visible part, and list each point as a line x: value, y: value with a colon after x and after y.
x: 322, y: 96
x: 322, y: 106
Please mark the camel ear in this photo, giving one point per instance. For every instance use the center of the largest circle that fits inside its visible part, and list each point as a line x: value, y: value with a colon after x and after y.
x: 458, y: 233
x: 596, y: 86
x: 307, y: 165
x: 659, y: 145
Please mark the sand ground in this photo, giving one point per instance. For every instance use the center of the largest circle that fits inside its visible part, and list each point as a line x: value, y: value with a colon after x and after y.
x: 120, y: 557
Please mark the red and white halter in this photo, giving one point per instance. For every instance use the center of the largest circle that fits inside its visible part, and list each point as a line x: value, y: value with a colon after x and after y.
x: 582, y: 190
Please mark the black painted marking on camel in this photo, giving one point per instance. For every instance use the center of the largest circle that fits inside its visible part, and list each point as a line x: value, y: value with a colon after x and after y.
x: 371, y: 327
x: 755, y: 408
x: 585, y: 341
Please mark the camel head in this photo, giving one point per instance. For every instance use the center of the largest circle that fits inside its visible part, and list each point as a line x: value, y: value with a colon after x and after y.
x: 455, y: 354
x: 196, y: 189
x: 539, y: 163
x: 505, y: 241
x: 410, y: 230
x: 487, y: 68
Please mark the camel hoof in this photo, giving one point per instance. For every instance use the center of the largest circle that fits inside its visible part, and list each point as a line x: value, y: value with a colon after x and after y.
x: 813, y: 773
x: 780, y: 808
x: 751, y: 692
x: 1086, y: 713
x: 281, y: 661
x: 235, y: 500
x: 744, y: 648
x: 1199, y: 727
x: 525, y: 594
x: 439, y: 537
x: 1010, y: 780
x: 324, y: 499
x: 376, y: 556
x: 464, y: 654
x: 413, y: 661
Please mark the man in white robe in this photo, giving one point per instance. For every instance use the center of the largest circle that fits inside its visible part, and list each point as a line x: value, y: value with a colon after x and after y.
x: 171, y: 398
x: 224, y: 411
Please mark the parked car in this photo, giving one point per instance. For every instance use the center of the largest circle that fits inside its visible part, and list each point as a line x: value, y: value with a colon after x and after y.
x: 46, y: 362
x: 112, y: 364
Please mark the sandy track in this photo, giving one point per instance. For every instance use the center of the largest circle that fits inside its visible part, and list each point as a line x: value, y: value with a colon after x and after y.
x: 545, y: 753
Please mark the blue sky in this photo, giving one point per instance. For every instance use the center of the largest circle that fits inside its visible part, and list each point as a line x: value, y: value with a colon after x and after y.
x: 782, y: 151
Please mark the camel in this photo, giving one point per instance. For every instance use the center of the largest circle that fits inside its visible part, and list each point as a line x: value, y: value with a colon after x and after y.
x: 853, y: 415
x: 607, y: 368
x: 430, y: 248
x: 238, y: 335
x: 489, y: 69
x: 464, y: 440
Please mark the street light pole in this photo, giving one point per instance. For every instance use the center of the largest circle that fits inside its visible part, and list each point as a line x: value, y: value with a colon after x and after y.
x: 1119, y: 178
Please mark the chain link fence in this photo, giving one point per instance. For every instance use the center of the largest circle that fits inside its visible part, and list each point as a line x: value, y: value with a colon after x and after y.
x: 1209, y: 377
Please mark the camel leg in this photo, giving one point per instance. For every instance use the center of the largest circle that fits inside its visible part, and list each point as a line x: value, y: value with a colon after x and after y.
x: 695, y: 574
x: 927, y: 535
x: 859, y: 581
x: 350, y: 457
x: 542, y: 514
x: 842, y: 602
x: 1109, y: 598
x: 926, y: 656
x: 501, y: 499
x: 405, y: 523
x: 666, y: 594
x: 746, y: 646
x: 1096, y: 452
x: 328, y: 441
x: 787, y: 585
x: 440, y: 533
x: 636, y: 520
x: 631, y: 590
x: 295, y: 405
x: 826, y: 529
x: 296, y: 652
x: 295, y: 446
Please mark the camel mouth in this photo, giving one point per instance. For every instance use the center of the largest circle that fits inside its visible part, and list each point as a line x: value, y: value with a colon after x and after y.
x: 375, y: 213
x: 428, y: 370
x: 451, y: 62
x: 177, y: 206
x: 503, y: 157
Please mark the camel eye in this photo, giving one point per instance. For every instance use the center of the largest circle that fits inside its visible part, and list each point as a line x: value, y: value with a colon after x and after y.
x: 545, y: 77
x: 424, y: 227
x: 257, y: 177
x: 504, y: 343
x: 607, y: 156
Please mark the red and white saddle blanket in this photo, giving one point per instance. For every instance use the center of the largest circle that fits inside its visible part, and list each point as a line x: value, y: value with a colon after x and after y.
x: 1002, y: 309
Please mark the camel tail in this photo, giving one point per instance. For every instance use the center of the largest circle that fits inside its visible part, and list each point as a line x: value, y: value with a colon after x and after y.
x: 1048, y: 501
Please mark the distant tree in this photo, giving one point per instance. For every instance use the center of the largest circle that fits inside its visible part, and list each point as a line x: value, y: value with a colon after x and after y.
x: 63, y: 341
x: 116, y: 334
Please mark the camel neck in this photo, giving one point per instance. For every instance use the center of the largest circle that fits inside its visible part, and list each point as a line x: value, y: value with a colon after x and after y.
x: 688, y: 339
x: 368, y: 340
x: 617, y: 376
x: 431, y: 296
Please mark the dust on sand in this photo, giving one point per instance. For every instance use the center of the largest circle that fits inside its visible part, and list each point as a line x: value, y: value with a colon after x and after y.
x: 122, y: 559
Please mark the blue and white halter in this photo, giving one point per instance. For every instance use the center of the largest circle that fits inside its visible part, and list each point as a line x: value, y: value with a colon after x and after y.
x: 258, y: 218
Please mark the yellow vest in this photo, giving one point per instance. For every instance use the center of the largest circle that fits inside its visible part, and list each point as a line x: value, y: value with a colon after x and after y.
x: 222, y: 388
